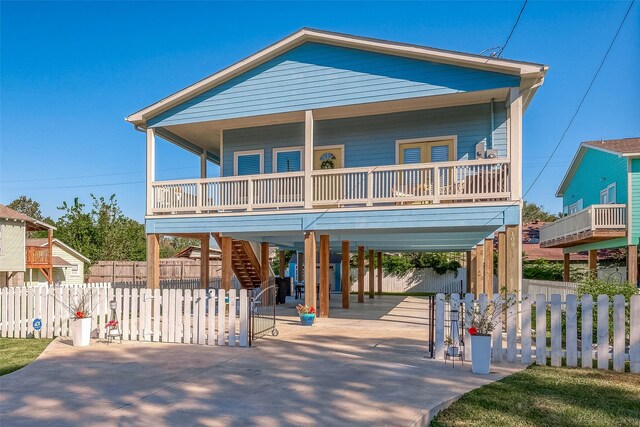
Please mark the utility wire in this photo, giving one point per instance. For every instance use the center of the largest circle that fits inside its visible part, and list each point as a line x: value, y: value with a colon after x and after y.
x: 499, y: 53
x: 575, y: 114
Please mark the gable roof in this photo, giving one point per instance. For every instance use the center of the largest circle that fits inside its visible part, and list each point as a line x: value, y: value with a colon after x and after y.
x: 32, y: 224
x: 43, y: 242
x: 625, y: 147
x: 532, y: 74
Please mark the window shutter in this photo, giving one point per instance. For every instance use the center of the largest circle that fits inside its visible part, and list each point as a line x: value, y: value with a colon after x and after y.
x: 288, y: 161
x: 249, y: 164
x: 440, y: 153
x: 411, y: 156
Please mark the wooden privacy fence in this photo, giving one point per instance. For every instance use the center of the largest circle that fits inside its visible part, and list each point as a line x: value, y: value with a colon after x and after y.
x: 198, y: 316
x: 578, y: 329
x: 136, y: 271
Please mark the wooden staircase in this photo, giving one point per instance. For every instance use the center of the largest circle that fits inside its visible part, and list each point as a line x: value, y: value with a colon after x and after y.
x: 244, y: 262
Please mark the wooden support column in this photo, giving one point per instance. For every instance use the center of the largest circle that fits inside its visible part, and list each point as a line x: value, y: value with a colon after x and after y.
x: 502, y: 263
x: 153, y: 261
x: 265, y: 272
x: 310, y: 268
x: 468, y: 271
x: 372, y: 272
x: 360, y: 274
x: 281, y: 263
x: 479, y: 269
x: 204, y: 261
x: 324, y: 275
x: 593, y: 262
x: 472, y: 285
x: 345, y: 282
x: 300, y: 262
x: 513, y: 258
x: 632, y: 264
x: 566, y: 268
x: 379, y: 273
x: 50, y: 242
x: 488, y: 267
x: 203, y: 164
x: 227, y: 263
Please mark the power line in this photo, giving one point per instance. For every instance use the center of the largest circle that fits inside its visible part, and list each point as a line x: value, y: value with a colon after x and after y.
x: 575, y: 114
x: 499, y: 53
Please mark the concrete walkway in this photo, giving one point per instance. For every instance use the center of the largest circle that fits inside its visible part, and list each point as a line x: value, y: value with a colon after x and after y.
x: 363, y: 366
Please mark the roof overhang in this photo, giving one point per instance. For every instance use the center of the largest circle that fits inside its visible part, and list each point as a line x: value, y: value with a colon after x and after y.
x: 532, y: 74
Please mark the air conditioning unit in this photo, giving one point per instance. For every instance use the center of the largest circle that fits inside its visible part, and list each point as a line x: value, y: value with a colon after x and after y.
x: 491, y: 154
x: 480, y: 149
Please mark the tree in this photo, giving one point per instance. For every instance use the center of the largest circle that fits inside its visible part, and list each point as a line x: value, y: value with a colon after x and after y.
x: 27, y: 206
x: 532, y: 212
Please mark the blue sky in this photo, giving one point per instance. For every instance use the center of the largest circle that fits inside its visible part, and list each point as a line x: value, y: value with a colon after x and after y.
x: 71, y: 72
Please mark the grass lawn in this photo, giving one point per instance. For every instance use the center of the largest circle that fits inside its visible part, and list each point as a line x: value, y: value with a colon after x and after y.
x: 545, y: 396
x: 16, y: 353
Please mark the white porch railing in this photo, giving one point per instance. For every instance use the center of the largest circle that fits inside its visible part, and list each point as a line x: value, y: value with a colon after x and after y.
x: 595, y: 217
x: 423, y: 183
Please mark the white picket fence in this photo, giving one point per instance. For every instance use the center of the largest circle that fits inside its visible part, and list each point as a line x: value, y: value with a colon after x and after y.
x: 549, y: 287
x: 419, y: 280
x: 188, y: 316
x: 522, y: 345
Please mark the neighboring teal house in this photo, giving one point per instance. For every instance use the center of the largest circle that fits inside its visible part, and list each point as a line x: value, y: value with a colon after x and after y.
x: 339, y: 143
x: 601, y: 199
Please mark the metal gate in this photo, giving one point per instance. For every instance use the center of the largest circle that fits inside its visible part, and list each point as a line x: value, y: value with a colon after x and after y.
x: 263, y: 313
x: 431, y: 323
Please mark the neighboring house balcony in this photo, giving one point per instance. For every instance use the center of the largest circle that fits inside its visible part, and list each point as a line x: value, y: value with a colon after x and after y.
x: 593, y: 224
x: 465, y: 181
x: 38, y: 257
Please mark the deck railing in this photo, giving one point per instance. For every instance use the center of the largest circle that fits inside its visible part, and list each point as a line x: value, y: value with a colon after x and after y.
x: 595, y: 217
x: 424, y: 183
x: 37, y: 255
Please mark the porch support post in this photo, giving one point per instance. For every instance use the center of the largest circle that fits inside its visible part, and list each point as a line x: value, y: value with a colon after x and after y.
x: 50, y: 267
x: 203, y: 164
x: 264, y: 271
x: 502, y: 262
x: 204, y: 261
x: 324, y: 275
x: 472, y: 276
x: 514, y: 257
x: 227, y: 263
x: 372, y: 272
x: 515, y: 142
x: 479, y: 269
x: 593, y: 262
x: 379, y: 273
x: 310, y: 268
x: 308, y: 159
x: 488, y: 267
x: 360, y: 274
x: 345, y: 282
x: 151, y: 167
x: 300, y: 262
x: 566, y: 268
x: 632, y: 264
x: 153, y: 261
x: 281, y: 263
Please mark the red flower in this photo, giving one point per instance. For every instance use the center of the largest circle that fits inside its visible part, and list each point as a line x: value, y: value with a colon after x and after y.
x: 312, y: 310
x: 80, y: 315
x: 473, y: 331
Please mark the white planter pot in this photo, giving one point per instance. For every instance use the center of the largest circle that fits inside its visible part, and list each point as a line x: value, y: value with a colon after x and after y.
x: 81, y: 332
x: 480, y: 354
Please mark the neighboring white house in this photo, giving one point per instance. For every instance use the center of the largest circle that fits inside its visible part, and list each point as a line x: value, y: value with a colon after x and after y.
x: 68, y: 264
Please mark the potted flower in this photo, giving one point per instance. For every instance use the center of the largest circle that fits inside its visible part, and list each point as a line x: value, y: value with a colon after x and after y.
x: 483, y: 322
x: 80, y: 308
x: 307, y: 314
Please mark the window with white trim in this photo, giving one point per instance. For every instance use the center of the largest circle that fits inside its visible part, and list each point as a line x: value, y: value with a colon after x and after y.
x: 248, y: 162
x: 287, y: 160
x: 608, y: 195
x: 75, y: 269
x: 574, y: 208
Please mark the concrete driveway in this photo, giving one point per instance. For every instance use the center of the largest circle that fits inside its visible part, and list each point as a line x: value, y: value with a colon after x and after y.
x: 364, y: 366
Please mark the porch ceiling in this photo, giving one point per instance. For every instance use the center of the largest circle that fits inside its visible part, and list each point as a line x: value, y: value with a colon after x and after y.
x: 206, y: 134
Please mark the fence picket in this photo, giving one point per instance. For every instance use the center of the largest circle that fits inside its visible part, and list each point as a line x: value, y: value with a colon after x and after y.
x: 244, y: 318
x: 232, y: 318
x: 556, y: 331
x: 541, y: 330
x: 571, y: 316
x: 603, y: 332
x: 64, y: 309
x: 468, y: 304
x: 586, y: 331
x: 211, y: 320
x: 525, y: 339
x: 202, y: 316
x: 512, y: 321
x: 619, y: 333
x: 50, y: 301
x: 23, y: 311
x: 110, y: 297
x: 4, y: 324
x: 188, y: 310
x: 172, y: 315
x: 157, y: 296
x: 146, y: 328
x: 221, y: 316
x: 179, y: 315
x: 439, y: 338
x: 634, y: 334
x: 122, y: 296
x: 496, y: 334
x: 133, y: 322
x: 165, y: 315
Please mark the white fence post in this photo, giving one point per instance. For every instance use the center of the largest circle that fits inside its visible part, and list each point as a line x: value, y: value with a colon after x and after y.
x: 634, y: 322
x: 603, y: 332
x: 439, y: 338
x: 512, y: 319
x: 468, y: 306
x: 211, y: 309
x: 188, y: 309
x: 571, y: 316
x: 221, y: 316
x: 556, y: 331
x: 525, y: 340
x: 496, y: 335
x: 619, y: 333
x: 541, y: 330
x: 587, y: 331
x: 244, y: 318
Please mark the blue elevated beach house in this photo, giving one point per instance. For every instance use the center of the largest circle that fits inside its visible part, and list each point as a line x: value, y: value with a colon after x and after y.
x: 601, y: 198
x: 335, y: 143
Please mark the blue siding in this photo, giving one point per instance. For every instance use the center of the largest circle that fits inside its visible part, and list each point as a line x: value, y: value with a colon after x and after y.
x: 596, y: 171
x: 371, y: 140
x: 316, y: 75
